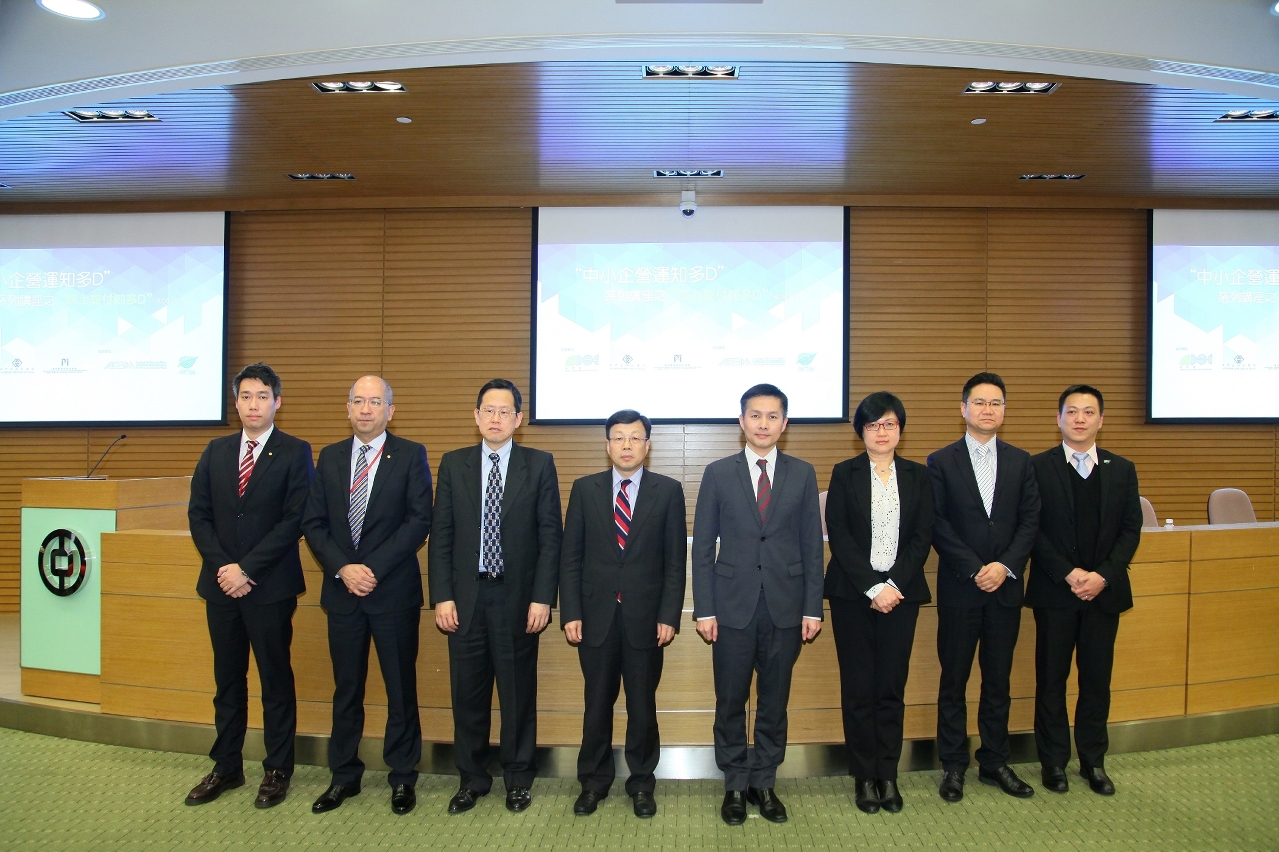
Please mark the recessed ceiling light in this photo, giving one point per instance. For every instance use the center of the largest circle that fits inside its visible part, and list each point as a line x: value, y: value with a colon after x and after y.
x: 404, y: 119
x: 688, y: 173
x: 991, y: 88
x: 690, y: 72
x: 329, y: 87
x: 1052, y: 177
x: 978, y: 121
x: 5, y: 186
x: 114, y: 116
x: 321, y: 176
x: 1274, y: 10
x: 77, y: 9
x: 1249, y: 115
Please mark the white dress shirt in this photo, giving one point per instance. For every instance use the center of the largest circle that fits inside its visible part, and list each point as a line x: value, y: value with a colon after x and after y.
x: 632, y: 490
x: 752, y: 458
x: 885, y: 525
x: 373, y: 456
x: 1092, y: 457
x: 257, y: 451
x: 986, y: 454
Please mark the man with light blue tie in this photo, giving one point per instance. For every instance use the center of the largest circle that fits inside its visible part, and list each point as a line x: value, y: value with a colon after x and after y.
x: 987, y: 514
x: 493, y: 565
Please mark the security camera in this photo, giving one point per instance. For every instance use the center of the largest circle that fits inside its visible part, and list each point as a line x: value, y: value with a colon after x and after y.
x: 688, y: 203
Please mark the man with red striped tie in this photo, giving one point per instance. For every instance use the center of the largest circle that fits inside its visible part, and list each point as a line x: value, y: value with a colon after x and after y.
x: 622, y: 569
x: 247, y: 496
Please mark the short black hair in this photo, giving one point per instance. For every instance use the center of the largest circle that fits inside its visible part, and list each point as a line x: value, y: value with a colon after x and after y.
x: 765, y: 390
x: 500, y: 384
x: 1088, y: 389
x: 876, y: 406
x: 262, y: 373
x: 625, y: 417
x: 984, y: 379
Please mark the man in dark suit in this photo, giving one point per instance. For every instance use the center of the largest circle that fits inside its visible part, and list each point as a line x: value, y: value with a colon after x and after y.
x: 247, y: 496
x: 987, y: 512
x: 1089, y: 529
x: 368, y: 513
x: 759, y: 597
x: 494, y: 570
x: 622, y: 575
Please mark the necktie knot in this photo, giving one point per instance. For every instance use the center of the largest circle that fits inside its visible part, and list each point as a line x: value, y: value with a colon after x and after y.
x: 1083, y: 463
x: 251, y: 445
x: 495, y: 458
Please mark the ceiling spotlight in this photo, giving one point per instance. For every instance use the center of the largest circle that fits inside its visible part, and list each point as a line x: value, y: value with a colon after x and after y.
x: 1274, y: 10
x: 359, y: 86
x: 1038, y: 87
x: 1052, y: 177
x: 89, y: 114
x: 329, y: 87
x: 77, y: 9
x: 978, y: 121
x: 981, y: 87
x: 5, y: 186
x: 688, y: 173
x: 404, y: 119
x: 111, y: 113
x: 388, y: 86
x: 117, y: 116
x: 988, y: 87
x: 321, y: 176
x: 720, y: 70
x: 137, y: 113
x: 1008, y: 87
x: 1266, y: 114
x: 1237, y: 113
x: 689, y: 71
x: 659, y: 69
x: 1261, y: 113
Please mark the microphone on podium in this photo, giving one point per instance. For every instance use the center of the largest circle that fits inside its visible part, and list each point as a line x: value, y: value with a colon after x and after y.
x: 104, y: 455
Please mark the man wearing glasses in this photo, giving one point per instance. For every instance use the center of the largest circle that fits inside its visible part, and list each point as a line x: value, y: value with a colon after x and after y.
x: 493, y: 573
x: 987, y: 515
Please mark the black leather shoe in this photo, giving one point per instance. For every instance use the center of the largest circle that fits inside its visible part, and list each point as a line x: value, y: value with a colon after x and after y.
x: 770, y: 807
x: 402, y: 798
x: 645, y: 804
x: 1006, y: 780
x: 332, y: 798
x: 272, y: 790
x: 587, y: 802
x: 866, y: 799
x: 1098, y: 780
x: 952, y: 786
x: 890, y: 798
x: 213, y: 785
x: 734, y: 808
x: 463, y: 800
x: 518, y: 799
x: 1054, y: 778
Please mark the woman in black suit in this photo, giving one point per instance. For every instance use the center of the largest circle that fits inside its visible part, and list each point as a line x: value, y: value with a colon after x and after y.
x: 879, y: 517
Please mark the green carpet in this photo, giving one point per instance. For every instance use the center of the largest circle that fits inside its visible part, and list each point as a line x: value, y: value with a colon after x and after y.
x: 64, y: 795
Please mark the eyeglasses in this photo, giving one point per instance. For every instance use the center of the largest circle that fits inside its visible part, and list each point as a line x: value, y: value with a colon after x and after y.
x: 372, y: 402
x: 489, y: 412
x: 992, y: 404
x: 623, y: 440
x: 885, y: 425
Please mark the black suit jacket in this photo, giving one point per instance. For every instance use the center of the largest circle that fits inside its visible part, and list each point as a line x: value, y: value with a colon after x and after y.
x: 396, y: 522
x: 649, y: 573
x: 966, y: 539
x: 848, y: 527
x: 1054, y: 555
x: 531, y: 533
x: 260, y: 530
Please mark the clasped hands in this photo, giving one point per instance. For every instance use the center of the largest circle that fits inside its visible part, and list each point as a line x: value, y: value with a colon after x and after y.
x: 539, y: 615
x: 991, y: 576
x: 1085, y: 584
x: 233, y: 581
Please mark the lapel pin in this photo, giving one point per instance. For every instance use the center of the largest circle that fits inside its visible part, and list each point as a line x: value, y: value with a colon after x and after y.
x: 1105, y: 461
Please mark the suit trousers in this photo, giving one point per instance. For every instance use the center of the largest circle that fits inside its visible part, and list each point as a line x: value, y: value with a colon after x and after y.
x: 1087, y: 634
x: 394, y: 635
x: 234, y: 628
x: 874, y: 660
x: 490, y: 651
x: 959, y: 632
x: 604, y: 669
x: 737, y: 655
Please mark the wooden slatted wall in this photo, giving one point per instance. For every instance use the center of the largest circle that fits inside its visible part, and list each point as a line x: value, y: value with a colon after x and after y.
x: 437, y: 301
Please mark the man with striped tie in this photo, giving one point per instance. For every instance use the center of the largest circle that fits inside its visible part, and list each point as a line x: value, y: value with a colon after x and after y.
x: 622, y: 570
x: 368, y: 513
x: 757, y: 595
x: 986, y: 505
x: 247, y: 496
x: 494, y: 570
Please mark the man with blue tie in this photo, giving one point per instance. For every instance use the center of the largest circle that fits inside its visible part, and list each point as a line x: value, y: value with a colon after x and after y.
x: 986, y: 506
x: 368, y: 513
x: 493, y: 572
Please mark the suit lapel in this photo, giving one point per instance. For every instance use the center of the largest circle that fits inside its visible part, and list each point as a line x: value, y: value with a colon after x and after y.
x: 471, y: 464
x: 640, y: 509
x: 385, y: 464
x: 860, y: 473
x: 906, y: 500
x: 516, y: 477
x: 966, y: 471
x: 603, y: 500
x: 1102, y: 469
x: 1064, y: 472
x: 260, y: 466
x: 744, y: 479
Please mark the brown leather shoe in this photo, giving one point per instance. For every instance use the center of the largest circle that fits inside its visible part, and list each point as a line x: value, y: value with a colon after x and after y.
x: 272, y: 790
x: 213, y: 785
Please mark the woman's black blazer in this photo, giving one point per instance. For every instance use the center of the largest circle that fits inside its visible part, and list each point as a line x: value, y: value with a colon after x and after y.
x: 849, y: 574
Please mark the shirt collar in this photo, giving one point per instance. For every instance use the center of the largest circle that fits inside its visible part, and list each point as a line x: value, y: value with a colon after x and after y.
x: 261, y: 439
x: 375, y: 444
x: 1070, y: 454
x: 892, y: 465
x: 752, y: 457
x: 976, y: 447
x: 634, y: 478
x: 503, y: 452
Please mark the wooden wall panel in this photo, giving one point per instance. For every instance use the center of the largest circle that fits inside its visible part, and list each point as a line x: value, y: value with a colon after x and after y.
x: 438, y: 300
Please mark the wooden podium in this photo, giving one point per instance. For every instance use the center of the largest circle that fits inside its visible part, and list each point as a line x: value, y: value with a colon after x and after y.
x: 63, y: 520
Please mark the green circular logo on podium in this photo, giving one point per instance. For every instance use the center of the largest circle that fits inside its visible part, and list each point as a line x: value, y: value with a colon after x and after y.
x: 63, y: 562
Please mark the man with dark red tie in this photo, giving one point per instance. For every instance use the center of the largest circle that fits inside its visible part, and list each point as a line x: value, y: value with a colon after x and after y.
x: 622, y: 569
x: 247, y: 496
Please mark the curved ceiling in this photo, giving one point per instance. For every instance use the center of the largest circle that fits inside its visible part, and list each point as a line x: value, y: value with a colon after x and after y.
x: 148, y: 47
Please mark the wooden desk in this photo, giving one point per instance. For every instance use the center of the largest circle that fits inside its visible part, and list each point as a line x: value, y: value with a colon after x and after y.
x: 1201, y: 637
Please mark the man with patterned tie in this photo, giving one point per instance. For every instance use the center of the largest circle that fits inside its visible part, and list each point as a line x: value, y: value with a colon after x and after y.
x: 247, y: 496
x: 1089, y: 529
x: 758, y: 596
x: 622, y: 574
x: 986, y: 507
x: 368, y: 513
x: 493, y: 571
